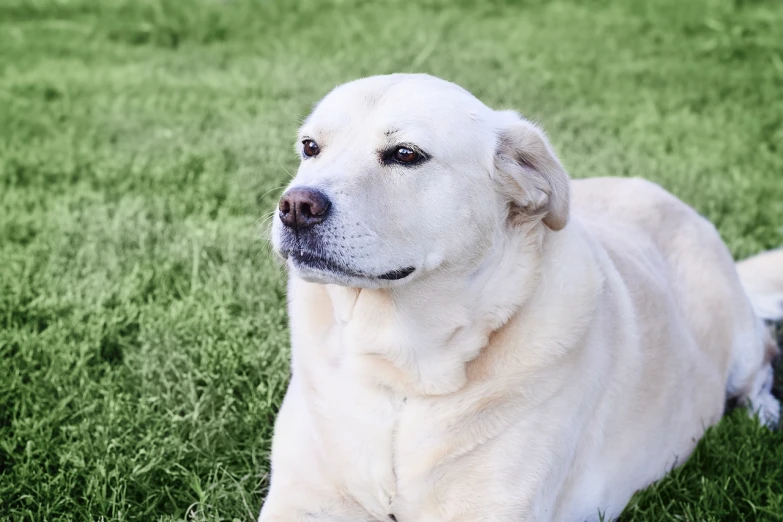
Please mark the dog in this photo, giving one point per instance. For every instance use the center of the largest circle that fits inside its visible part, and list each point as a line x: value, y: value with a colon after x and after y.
x: 476, y: 337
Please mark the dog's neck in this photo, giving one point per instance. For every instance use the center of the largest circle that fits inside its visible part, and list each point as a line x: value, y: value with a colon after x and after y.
x: 418, y: 338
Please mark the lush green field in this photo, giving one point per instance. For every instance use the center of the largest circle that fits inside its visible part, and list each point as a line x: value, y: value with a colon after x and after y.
x: 143, y: 337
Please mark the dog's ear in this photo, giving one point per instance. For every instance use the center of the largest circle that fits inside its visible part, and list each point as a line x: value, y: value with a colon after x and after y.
x: 529, y: 173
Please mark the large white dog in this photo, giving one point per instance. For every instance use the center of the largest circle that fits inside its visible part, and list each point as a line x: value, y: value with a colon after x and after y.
x: 477, y: 338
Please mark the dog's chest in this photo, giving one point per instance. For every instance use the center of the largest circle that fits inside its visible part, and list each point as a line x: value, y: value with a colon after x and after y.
x: 369, y: 436
x: 357, y: 431
x: 379, y: 438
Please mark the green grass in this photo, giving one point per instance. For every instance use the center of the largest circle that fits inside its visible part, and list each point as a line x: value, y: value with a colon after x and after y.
x: 143, y: 337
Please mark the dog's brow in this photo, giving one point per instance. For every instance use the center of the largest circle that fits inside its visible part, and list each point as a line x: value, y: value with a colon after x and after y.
x: 391, y: 132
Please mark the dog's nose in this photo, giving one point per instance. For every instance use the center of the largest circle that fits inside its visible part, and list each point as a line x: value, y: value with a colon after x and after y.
x: 303, y: 207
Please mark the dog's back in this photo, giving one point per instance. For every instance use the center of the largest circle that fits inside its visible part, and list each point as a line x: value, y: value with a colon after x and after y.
x: 714, y: 301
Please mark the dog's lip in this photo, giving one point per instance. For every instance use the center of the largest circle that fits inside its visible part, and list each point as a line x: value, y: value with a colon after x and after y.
x: 324, y: 264
x: 315, y: 262
x: 396, y: 275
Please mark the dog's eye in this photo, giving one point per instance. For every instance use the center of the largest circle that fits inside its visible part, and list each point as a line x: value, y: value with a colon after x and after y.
x: 408, y: 155
x: 310, y: 148
x: 405, y: 155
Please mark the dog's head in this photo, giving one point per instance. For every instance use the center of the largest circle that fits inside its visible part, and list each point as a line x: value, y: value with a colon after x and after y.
x: 403, y: 175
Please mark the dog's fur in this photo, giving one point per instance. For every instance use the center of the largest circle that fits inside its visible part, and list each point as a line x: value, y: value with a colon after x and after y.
x: 558, y: 346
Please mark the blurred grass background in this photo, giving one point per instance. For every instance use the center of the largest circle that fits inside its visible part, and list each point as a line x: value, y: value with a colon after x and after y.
x: 143, y: 337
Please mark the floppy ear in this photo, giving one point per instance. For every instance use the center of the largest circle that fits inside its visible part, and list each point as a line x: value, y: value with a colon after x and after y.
x: 530, y: 174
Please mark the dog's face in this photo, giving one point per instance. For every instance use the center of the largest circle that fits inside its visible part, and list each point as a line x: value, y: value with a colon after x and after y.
x: 403, y: 175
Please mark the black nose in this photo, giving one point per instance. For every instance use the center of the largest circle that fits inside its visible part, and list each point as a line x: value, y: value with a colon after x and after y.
x: 303, y: 207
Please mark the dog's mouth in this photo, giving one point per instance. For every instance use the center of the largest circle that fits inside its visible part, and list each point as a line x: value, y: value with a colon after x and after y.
x: 395, y: 275
x: 308, y: 260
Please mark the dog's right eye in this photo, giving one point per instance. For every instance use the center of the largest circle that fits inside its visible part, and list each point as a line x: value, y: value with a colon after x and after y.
x: 310, y: 148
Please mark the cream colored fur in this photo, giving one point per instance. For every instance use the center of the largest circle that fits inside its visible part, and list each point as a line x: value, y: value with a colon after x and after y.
x: 762, y: 276
x: 559, y: 345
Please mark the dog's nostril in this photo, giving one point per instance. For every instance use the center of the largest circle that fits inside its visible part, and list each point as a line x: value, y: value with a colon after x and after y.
x: 285, y: 206
x: 305, y: 210
x: 316, y: 207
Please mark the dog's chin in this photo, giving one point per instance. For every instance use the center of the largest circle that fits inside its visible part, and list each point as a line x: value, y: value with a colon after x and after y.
x: 322, y: 273
x: 329, y: 277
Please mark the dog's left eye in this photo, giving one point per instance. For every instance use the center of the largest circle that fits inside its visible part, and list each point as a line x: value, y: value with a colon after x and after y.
x: 405, y: 155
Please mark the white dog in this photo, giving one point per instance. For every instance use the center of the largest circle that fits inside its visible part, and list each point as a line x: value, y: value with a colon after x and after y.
x: 476, y: 338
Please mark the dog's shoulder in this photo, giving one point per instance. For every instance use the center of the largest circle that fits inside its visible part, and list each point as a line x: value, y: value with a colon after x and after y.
x: 629, y: 200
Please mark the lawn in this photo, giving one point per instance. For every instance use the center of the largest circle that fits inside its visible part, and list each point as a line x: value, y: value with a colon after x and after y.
x: 143, y: 338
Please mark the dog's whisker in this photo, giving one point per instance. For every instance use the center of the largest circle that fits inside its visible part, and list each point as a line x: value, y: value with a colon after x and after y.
x: 262, y: 196
x: 290, y: 175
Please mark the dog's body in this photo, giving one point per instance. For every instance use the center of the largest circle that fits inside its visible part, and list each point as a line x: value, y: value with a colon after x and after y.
x: 519, y: 368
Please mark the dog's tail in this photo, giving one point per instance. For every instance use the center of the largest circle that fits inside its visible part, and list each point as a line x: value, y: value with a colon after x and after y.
x: 762, y: 277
